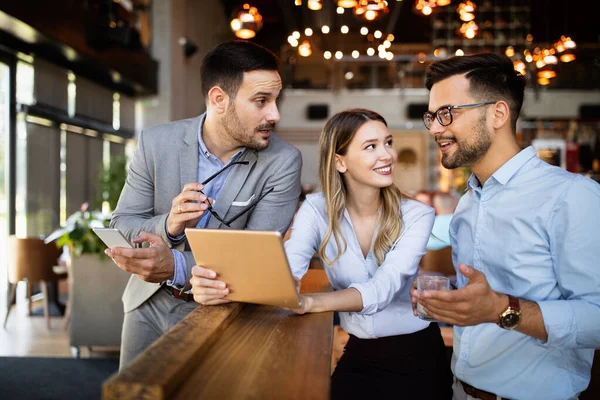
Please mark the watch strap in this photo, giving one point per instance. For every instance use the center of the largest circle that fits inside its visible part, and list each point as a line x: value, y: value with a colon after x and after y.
x: 513, y: 303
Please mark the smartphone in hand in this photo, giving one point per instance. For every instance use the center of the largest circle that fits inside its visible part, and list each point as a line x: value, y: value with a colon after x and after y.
x: 112, y: 237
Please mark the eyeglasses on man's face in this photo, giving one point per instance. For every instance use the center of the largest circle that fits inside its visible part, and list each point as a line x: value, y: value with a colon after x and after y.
x: 242, y: 211
x: 444, y: 114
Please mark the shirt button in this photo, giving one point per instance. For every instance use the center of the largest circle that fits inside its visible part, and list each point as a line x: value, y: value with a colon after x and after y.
x: 477, y: 242
x: 463, y: 355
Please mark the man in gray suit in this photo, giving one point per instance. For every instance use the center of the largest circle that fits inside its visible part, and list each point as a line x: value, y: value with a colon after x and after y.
x: 223, y: 169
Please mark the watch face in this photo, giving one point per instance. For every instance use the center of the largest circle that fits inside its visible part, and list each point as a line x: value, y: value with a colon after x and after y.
x: 511, y: 320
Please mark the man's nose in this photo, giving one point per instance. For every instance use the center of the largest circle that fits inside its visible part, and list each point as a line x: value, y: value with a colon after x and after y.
x: 436, y: 128
x: 273, y: 114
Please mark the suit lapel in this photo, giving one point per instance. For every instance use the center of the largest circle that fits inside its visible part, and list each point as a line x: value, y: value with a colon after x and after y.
x: 232, y: 186
x: 188, y: 155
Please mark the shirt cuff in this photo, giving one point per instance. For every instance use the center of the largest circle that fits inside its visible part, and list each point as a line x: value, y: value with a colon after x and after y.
x: 179, y: 280
x: 174, y: 240
x: 559, y: 322
x: 369, y: 297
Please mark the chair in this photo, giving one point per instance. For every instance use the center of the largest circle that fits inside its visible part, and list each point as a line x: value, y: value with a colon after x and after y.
x: 31, y: 260
x: 438, y: 261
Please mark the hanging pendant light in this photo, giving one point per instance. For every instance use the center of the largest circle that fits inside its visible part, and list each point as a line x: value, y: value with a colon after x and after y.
x: 246, y: 22
x: 347, y: 3
x: 371, y: 10
x: 315, y: 5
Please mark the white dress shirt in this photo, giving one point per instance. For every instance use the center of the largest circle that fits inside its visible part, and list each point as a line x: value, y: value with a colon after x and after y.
x: 385, y: 289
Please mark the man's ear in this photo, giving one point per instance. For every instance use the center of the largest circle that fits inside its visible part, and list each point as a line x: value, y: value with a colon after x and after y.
x: 340, y: 165
x: 218, y: 100
x: 501, y: 114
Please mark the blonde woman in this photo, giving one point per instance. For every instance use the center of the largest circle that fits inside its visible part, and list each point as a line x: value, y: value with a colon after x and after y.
x: 370, y: 240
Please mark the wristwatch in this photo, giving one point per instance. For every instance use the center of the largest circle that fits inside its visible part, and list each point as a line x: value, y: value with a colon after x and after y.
x: 511, y: 317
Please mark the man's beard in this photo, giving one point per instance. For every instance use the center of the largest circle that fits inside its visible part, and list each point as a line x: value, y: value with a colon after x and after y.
x: 236, y: 130
x: 467, y: 154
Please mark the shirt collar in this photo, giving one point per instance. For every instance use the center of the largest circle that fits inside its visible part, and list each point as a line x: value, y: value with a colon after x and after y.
x: 204, y: 150
x: 508, y: 170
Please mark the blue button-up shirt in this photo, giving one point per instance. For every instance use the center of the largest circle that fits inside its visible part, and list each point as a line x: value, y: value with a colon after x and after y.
x: 208, y: 164
x: 385, y: 288
x: 532, y: 229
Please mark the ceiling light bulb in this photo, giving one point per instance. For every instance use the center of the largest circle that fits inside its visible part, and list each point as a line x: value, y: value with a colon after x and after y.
x: 325, y: 29
x: 568, y: 43
x: 327, y: 55
x: 459, y: 53
x: 390, y: 37
x: 550, y: 59
x: 364, y: 30
x: 567, y: 57
x: 378, y: 34
x: 427, y: 10
x: 355, y: 54
x: 347, y: 3
x: 349, y: 75
x: 543, y: 81
x: 389, y: 56
x: 546, y: 74
x: 296, y: 35
x: 315, y: 5
x: 339, y: 55
x: 467, y: 16
x: 308, y: 32
x: 510, y: 51
x: 304, y: 49
x: 340, y: 10
x: 370, y: 15
x: 344, y: 29
x: 387, y: 44
x: 236, y: 24
x: 370, y: 51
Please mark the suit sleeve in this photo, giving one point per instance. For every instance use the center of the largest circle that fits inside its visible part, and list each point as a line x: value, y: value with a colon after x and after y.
x: 135, y: 210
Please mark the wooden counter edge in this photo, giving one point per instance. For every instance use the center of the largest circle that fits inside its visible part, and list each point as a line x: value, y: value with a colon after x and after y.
x: 158, y: 371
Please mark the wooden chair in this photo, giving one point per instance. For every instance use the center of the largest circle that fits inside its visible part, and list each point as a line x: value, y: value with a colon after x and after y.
x: 438, y: 261
x: 31, y: 260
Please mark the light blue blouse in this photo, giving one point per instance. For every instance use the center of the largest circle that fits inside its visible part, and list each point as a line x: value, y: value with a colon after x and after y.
x: 385, y: 289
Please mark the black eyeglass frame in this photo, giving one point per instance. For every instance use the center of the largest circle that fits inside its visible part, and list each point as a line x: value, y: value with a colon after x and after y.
x: 249, y: 207
x: 429, y: 116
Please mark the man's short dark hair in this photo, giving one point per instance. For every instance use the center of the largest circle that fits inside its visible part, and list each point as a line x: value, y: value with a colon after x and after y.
x: 224, y: 66
x: 492, y: 77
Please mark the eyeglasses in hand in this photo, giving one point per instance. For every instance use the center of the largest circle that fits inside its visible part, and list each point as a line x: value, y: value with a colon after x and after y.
x: 245, y: 209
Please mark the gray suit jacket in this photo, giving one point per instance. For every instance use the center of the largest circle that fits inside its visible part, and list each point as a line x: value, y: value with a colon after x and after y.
x: 166, y: 158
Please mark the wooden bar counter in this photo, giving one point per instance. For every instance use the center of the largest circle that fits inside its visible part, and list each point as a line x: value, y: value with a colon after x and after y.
x: 235, y: 351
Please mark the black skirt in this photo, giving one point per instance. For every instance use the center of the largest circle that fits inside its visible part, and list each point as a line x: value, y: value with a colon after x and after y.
x: 412, y: 366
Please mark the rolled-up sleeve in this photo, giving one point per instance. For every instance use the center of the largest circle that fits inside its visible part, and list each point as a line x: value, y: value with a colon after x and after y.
x: 574, y: 321
x: 401, y: 262
x: 304, y: 240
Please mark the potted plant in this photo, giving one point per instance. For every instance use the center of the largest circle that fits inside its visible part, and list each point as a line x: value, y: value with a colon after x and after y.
x: 95, y: 282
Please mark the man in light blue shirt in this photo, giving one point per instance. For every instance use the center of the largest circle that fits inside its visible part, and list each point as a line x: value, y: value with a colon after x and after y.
x: 527, y: 311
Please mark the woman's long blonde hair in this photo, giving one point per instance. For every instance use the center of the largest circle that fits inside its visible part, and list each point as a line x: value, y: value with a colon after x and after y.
x: 335, y: 138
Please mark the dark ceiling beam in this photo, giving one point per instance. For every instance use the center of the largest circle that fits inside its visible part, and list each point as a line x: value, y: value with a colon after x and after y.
x: 391, y: 25
x: 56, y: 31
